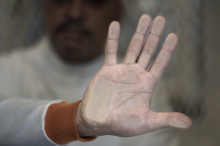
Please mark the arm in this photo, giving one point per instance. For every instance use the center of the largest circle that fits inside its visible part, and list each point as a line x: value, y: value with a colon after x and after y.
x: 22, y: 122
x: 26, y: 122
x: 116, y: 102
x: 21, y: 119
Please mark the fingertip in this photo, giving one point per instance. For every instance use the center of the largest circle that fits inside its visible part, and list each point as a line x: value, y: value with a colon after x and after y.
x: 146, y: 16
x: 173, y: 36
x: 114, y: 30
x: 171, y: 42
x: 158, y: 26
x: 143, y: 24
x: 115, y: 24
x: 172, y: 39
x: 161, y: 19
x: 188, y: 121
x: 180, y: 121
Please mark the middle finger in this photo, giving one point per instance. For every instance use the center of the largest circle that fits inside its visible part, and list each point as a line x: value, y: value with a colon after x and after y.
x: 137, y: 40
x: 152, y: 41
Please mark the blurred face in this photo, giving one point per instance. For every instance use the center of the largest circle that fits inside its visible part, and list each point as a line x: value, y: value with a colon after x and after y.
x: 78, y: 28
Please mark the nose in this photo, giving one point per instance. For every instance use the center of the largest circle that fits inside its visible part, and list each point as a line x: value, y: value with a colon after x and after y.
x: 76, y: 9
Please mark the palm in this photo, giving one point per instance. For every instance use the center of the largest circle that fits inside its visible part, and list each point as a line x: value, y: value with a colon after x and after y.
x: 117, y: 100
x: 130, y: 91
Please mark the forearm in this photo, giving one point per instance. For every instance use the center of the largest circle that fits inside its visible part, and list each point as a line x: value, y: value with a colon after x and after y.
x: 22, y: 122
x: 38, y: 122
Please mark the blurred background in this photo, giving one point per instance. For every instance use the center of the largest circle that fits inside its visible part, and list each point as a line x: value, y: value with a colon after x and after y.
x: 191, y: 83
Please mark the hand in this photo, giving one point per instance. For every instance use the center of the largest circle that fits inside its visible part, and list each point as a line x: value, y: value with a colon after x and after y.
x: 118, y: 99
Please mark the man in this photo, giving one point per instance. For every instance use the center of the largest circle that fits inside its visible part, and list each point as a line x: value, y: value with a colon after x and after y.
x: 35, y: 83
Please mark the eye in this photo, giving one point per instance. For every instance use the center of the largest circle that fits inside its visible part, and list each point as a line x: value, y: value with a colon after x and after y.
x: 97, y: 2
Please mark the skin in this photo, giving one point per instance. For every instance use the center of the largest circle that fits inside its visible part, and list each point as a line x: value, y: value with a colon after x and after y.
x: 78, y: 28
x: 118, y: 99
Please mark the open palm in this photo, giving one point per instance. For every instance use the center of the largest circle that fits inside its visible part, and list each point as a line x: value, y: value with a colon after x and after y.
x: 118, y: 99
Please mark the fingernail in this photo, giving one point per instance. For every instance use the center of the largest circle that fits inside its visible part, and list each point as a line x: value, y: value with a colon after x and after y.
x: 177, y: 123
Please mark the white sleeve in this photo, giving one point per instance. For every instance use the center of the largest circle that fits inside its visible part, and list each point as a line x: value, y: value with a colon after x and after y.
x: 22, y: 122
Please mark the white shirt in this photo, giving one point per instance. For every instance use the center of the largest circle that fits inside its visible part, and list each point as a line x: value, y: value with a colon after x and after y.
x: 32, y: 80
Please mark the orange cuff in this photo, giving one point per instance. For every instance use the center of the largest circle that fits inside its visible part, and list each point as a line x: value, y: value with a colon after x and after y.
x: 60, y: 125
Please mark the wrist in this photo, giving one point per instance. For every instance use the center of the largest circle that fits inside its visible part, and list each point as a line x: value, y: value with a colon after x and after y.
x: 83, y: 128
x: 60, y: 123
x: 87, y: 127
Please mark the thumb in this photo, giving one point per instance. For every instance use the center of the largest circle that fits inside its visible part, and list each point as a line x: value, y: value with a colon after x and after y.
x: 165, y: 120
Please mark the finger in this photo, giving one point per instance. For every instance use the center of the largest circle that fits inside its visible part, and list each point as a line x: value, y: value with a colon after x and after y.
x: 112, y: 44
x: 137, y: 40
x: 164, y: 56
x: 165, y: 120
x: 152, y: 41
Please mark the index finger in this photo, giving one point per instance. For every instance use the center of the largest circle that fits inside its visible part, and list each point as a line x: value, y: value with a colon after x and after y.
x: 112, y: 44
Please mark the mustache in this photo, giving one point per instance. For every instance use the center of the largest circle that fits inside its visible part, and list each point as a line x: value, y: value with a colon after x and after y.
x: 73, y: 23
